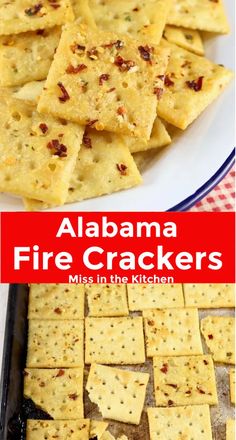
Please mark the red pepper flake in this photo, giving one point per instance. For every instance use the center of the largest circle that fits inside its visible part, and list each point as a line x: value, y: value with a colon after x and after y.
x: 43, y: 127
x: 145, y: 52
x: 170, y: 403
x: 161, y: 77
x: 124, y: 65
x: 205, y: 362
x: 121, y: 168
x: 91, y: 123
x: 210, y: 336
x: 60, y: 373
x: 60, y: 150
x: 158, y: 91
x: 188, y: 392
x: 121, y: 111
x: 57, y: 311
x: 77, y: 48
x: 195, y: 85
x: 200, y: 390
x: 54, y: 4
x: 173, y: 385
x: 34, y: 10
x: 168, y: 82
x: 164, y: 368
x: 102, y: 78
x: 77, y: 69
x: 65, y: 95
x: 87, y: 140
x: 151, y: 323
x: 73, y: 396
x: 118, y: 45
x: 92, y: 53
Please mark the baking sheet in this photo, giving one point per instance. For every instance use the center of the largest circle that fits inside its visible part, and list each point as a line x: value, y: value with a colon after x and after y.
x: 15, y: 409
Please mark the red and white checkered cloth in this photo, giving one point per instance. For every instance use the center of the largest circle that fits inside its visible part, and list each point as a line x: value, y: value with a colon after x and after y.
x: 221, y: 198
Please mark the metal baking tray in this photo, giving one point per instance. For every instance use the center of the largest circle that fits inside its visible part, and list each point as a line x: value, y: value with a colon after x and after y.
x: 15, y: 410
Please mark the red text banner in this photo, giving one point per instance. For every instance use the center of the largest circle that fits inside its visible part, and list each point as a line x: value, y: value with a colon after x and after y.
x: 117, y: 247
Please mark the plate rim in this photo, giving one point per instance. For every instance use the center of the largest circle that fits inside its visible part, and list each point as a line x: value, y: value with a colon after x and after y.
x: 207, y: 187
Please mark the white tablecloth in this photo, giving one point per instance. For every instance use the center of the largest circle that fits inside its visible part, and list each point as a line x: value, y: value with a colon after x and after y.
x: 3, y: 307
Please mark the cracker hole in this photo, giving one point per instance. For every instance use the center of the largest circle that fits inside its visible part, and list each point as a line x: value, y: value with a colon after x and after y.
x: 16, y: 116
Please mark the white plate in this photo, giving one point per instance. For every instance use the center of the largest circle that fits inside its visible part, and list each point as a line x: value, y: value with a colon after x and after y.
x: 190, y: 166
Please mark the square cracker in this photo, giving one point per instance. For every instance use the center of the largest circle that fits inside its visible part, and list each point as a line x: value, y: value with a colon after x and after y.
x: 105, y: 168
x: 230, y: 429
x: 119, y: 394
x: 144, y: 21
x: 204, y: 15
x: 207, y: 296
x: 184, y: 380
x: 32, y: 167
x: 232, y: 385
x: 114, y: 340
x: 189, y: 39
x: 57, y: 429
x: 159, y: 138
x: 29, y: 15
x: 172, y: 332
x: 57, y: 392
x: 55, y: 344
x: 187, y: 422
x: 97, y: 429
x: 107, y: 299
x: 219, y: 335
x: 56, y: 301
x: 155, y: 296
x: 115, y: 84
x: 192, y: 83
x: 27, y: 57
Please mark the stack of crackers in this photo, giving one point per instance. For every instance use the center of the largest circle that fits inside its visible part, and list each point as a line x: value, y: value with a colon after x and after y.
x: 136, y: 353
x: 119, y: 76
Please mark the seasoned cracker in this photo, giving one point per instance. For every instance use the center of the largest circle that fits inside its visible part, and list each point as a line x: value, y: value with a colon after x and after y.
x: 230, y: 429
x: 104, y: 79
x: 55, y: 344
x: 114, y: 340
x: 232, y: 385
x: 56, y: 429
x: 29, y: 15
x: 159, y: 138
x: 56, y: 301
x: 204, y: 15
x: 27, y: 57
x: 191, y: 84
x: 207, y: 296
x: 144, y: 21
x: 97, y: 429
x: 42, y: 155
x: 188, y: 422
x: 58, y: 392
x: 172, y: 332
x: 119, y: 394
x: 155, y: 296
x: 107, y: 299
x: 189, y: 39
x: 104, y: 168
x: 219, y: 335
x: 184, y: 380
